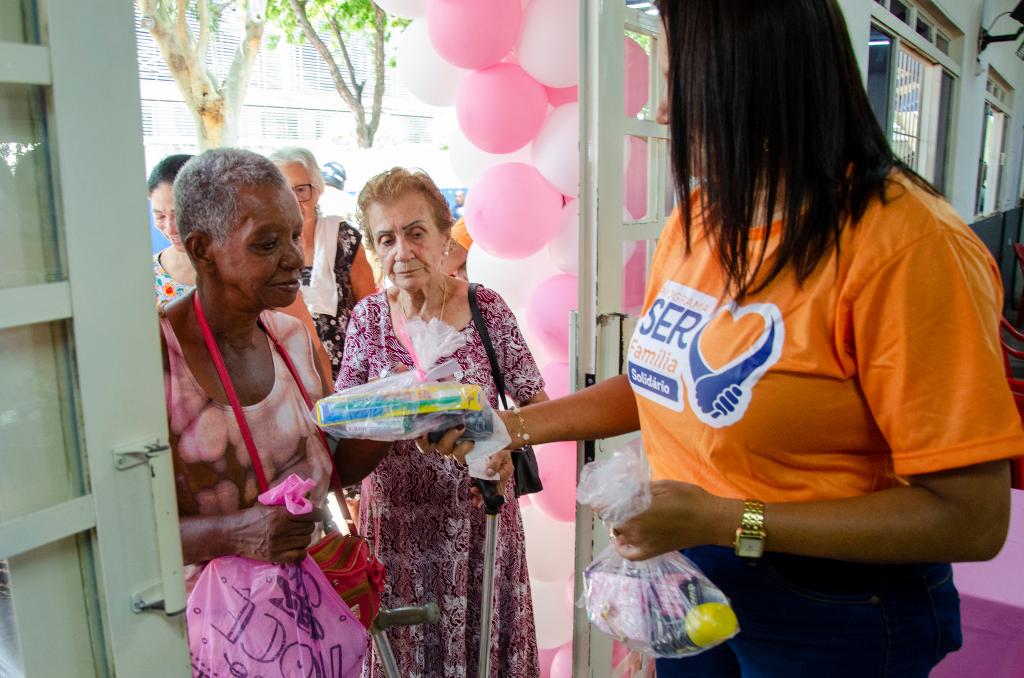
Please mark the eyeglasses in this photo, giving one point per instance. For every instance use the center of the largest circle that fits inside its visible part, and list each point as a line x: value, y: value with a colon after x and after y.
x: 303, y: 192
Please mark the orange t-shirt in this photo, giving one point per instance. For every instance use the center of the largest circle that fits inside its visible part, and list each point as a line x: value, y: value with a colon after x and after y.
x: 885, y: 363
x: 460, y: 234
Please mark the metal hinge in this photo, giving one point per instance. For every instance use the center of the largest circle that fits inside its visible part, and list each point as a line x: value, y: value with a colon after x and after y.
x: 130, y: 456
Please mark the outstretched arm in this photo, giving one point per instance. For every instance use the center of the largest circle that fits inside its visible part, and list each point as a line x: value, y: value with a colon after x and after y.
x: 601, y: 411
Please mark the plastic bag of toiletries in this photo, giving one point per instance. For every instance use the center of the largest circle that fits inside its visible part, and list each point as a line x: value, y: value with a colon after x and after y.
x: 663, y: 606
x: 427, y: 399
x: 250, y: 617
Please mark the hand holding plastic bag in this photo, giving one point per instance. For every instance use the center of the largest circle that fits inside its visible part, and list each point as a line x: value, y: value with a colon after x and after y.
x: 663, y: 606
x: 250, y: 617
x: 421, y: 401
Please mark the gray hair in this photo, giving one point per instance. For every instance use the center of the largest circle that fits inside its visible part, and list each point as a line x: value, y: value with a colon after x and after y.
x: 300, y: 156
x: 207, y: 188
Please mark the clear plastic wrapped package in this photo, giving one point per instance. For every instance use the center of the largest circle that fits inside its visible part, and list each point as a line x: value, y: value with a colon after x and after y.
x: 663, y: 606
x: 425, y: 400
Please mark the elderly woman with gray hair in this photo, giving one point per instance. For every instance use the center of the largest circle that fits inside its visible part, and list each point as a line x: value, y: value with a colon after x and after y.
x: 235, y: 369
x: 335, y: 273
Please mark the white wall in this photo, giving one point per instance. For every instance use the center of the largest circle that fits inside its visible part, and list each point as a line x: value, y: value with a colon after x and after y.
x: 969, y: 106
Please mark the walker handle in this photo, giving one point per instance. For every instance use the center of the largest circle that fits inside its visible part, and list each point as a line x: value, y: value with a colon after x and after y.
x: 406, y: 616
x: 493, y: 499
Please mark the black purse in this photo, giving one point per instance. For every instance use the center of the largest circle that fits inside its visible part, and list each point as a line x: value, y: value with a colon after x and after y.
x: 524, y: 459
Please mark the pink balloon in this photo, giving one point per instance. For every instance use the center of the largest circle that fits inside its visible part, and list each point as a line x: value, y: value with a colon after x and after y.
x: 637, y: 77
x: 547, y: 313
x: 524, y: 501
x: 634, y: 276
x: 619, y: 652
x: 546, y: 657
x: 557, y: 463
x: 501, y: 108
x: 562, y: 95
x: 561, y: 665
x: 512, y: 211
x: 570, y: 595
x: 473, y: 34
x: 636, y: 178
x: 556, y: 379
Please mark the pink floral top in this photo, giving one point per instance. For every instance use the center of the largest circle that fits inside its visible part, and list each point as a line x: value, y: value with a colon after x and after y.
x: 212, y: 471
x: 418, y: 513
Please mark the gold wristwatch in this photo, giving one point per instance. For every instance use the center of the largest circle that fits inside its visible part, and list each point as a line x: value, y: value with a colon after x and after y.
x: 751, y: 534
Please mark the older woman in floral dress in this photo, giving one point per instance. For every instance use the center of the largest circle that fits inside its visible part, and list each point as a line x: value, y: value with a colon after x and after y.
x: 418, y: 505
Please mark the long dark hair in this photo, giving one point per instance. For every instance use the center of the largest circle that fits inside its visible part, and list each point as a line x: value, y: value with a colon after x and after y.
x: 766, y: 94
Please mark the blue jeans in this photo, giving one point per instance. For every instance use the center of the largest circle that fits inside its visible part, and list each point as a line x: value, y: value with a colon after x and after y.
x: 808, y: 617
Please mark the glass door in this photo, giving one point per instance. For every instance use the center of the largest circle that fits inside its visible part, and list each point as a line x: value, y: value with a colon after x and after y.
x: 90, y: 558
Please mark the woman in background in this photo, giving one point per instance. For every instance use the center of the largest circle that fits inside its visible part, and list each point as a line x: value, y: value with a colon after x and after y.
x: 172, y: 271
x: 335, y: 272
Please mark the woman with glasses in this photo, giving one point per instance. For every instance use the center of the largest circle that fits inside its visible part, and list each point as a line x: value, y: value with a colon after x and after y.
x: 335, y: 272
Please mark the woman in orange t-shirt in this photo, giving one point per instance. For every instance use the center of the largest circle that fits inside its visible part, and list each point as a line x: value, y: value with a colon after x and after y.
x: 817, y: 374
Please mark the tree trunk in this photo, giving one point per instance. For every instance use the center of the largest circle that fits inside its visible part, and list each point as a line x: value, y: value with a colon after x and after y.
x: 216, y: 107
x: 379, y: 62
x: 351, y: 92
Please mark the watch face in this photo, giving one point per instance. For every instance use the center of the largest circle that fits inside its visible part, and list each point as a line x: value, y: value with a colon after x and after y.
x: 749, y: 547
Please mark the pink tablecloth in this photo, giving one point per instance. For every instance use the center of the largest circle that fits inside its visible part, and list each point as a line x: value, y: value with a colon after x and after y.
x: 992, y: 610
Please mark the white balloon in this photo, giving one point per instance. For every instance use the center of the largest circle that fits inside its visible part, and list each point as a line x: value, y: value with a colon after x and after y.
x: 423, y: 72
x: 565, y: 246
x: 513, y: 279
x: 549, y: 546
x: 551, y: 616
x: 556, y: 150
x: 469, y: 162
x: 409, y: 9
x: 549, y: 43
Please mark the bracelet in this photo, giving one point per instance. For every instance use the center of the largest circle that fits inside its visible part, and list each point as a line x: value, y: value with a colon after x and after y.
x: 522, y: 434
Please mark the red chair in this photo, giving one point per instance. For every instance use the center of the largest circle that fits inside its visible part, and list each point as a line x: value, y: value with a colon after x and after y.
x: 1016, y: 385
x: 1018, y: 250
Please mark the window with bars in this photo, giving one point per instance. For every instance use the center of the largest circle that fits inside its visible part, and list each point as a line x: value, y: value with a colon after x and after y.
x: 995, y: 126
x: 912, y: 99
x: 990, y: 168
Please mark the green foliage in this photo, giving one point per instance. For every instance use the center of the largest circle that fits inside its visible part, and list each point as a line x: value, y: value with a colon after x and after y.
x: 348, y: 16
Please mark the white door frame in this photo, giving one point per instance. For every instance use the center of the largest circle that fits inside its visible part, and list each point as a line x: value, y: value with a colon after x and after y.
x: 602, y: 329
x: 123, y: 526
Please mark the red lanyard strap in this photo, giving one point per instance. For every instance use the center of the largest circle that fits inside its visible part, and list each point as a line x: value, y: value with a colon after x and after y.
x: 236, y: 405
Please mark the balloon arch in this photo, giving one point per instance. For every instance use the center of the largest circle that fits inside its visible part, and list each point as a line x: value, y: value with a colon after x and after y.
x: 511, y: 68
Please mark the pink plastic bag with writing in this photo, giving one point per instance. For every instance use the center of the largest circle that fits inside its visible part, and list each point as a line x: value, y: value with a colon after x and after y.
x: 249, y: 618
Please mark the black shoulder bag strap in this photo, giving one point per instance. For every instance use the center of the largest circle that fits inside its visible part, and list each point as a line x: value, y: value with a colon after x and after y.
x: 527, y: 474
x: 485, y: 335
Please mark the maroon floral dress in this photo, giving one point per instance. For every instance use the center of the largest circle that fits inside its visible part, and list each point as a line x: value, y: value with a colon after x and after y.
x: 421, y: 521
